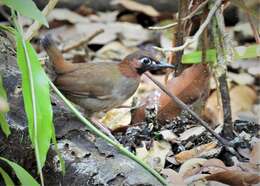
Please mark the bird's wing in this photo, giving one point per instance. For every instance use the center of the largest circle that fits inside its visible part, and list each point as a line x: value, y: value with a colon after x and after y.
x: 90, y: 80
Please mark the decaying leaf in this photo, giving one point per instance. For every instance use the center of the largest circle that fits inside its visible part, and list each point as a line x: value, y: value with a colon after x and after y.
x: 235, y: 178
x: 173, y: 177
x: 137, y: 7
x: 117, y: 118
x: 156, y: 155
x: 60, y: 14
x: 195, y: 152
x: 242, y: 98
x: 114, y: 50
x: 190, y: 86
x: 191, y: 167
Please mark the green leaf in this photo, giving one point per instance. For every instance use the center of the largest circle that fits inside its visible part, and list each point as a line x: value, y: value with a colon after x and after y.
x: 8, y: 181
x: 27, y: 8
x: 36, y: 99
x: 7, y: 28
x: 25, y: 178
x: 3, y: 123
x: 241, y: 52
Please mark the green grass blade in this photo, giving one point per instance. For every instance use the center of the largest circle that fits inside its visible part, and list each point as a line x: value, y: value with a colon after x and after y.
x: 26, y: 8
x: 3, y: 123
x: 24, y: 177
x: 8, y: 181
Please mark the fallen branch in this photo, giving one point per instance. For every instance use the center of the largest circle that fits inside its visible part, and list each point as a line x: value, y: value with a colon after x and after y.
x: 33, y: 29
x: 198, y: 33
x: 185, y: 107
x: 194, y: 12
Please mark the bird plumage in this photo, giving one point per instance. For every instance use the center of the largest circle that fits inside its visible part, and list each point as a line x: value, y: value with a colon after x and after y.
x: 99, y: 86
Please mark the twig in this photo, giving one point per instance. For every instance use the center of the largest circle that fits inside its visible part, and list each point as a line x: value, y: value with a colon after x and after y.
x: 194, y: 12
x: 198, y: 33
x: 33, y: 29
x: 163, y: 27
x: 224, y: 56
x: 185, y: 107
x: 179, y: 35
x: 82, y: 40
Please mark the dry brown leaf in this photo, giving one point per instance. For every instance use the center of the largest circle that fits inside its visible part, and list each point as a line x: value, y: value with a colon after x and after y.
x: 156, y: 156
x: 195, y: 152
x: 173, y: 177
x: 190, y: 86
x: 242, y: 98
x: 194, y: 131
x: 235, y: 178
x: 137, y: 7
x: 117, y: 118
x: 61, y: 14
x: 255, y: 153
x: 191, y: 167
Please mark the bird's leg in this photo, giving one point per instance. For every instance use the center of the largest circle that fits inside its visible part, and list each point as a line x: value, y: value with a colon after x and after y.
x: 103, y: 128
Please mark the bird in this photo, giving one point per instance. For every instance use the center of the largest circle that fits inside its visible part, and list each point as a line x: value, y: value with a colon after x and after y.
x: 100, y: 86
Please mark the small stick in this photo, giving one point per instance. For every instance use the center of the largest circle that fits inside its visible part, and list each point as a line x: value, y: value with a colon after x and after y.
x: 194, y: 12
x: 183, y: 106
x: 33, y: 29
x: 82, y: 40
x: 198, y: 33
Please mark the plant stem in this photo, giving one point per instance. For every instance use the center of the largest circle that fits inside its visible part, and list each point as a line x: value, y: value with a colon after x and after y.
x: 120, y: 148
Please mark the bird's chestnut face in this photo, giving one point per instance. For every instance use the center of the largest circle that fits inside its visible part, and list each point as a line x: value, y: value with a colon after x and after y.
x: 146, y: 63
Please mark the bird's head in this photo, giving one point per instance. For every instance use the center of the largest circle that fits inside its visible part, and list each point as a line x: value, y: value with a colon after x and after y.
x: 137, y: 63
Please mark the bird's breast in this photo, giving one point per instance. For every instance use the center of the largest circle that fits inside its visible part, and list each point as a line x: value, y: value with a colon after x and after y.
x: 125, y: 88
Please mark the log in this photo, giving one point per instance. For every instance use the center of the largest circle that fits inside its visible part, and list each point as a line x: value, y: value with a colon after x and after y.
x: 89, y: 160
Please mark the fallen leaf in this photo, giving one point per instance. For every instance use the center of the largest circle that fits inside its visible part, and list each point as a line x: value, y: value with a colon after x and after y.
x: 235, y: 178
x: 173, y: 177
x: 241, y: 78
x: 242, y: 98
x: 169, y: 136
x: 191, y: 167
x: 137, y: 7
x: 156, y: 156
x: 62, y: 14
x: 114, y: 50
x: 117, y: 118
x: 194, y: 131
x: 190, y: 86
x: 195, y: 152
x: 255, y: 153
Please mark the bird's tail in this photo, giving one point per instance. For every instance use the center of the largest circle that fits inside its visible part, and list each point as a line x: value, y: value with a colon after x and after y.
x: 60, y: 65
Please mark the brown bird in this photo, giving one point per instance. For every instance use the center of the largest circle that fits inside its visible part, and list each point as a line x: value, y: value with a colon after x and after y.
x: 100, y: 86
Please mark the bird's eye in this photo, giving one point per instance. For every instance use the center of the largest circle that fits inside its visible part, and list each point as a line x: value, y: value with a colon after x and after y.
x: 146, y: 61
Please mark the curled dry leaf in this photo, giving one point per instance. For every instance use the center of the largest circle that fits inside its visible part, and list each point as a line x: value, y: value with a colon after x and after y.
x: 242, y: 98
x: 190, y: 86
x: 191, y: 167
x: 156, y: 156
x: 198, y: 151
x: 137, y: 7
x: 173, y: 177
x: 117, y: 118
x: 235, y: 178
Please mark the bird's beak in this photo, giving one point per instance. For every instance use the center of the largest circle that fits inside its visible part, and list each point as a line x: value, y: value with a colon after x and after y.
x: 161, y: 65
